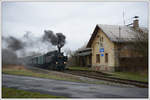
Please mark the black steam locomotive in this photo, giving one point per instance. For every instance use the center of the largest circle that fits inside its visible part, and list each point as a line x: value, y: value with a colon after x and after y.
x: 54, y: 60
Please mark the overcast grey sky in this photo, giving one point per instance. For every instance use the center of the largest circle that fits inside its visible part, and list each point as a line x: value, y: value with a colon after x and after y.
x: 76, y: 20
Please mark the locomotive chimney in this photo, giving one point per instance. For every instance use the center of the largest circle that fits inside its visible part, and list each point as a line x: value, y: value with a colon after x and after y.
x: 59, y: 49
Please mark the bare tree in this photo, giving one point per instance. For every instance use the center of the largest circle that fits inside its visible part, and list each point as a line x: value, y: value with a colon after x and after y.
x: 68, y: 52
x: 137, y: 48
x: 141, y: 42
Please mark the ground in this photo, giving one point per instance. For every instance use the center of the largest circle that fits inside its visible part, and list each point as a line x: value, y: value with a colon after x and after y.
x: 58, y: 84
x: 72, y: 89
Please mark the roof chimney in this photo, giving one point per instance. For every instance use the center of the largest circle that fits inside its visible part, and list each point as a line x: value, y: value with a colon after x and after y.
x: 136, y: 22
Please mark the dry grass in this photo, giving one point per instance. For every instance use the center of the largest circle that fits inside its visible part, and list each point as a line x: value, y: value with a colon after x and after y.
x: 131, y: 76
x: 36, y: 72
x: 17, y: 67
x: 80, y: 68
x: 21, y: 70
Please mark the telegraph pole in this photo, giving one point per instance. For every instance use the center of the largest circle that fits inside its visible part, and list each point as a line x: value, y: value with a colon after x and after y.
x: 123, y: 18
x: 119, y: 33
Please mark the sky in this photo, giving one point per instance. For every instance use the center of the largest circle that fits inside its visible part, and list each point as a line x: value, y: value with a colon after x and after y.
x: 76, y: 20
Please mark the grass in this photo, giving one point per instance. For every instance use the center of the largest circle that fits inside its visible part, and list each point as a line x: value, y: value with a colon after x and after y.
x: 21, y: 71
x: 15, y: 93
x: 26, y: 72
x: 122, y: 75
x: 79, y: 68
x: 130, y: 76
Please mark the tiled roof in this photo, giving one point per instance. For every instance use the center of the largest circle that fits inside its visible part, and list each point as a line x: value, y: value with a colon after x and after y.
x: 116, y: 33
x: 112, y: 31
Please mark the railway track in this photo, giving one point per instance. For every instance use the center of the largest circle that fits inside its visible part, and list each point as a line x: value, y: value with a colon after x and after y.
x: 107, y: 77
x: 99, y: 76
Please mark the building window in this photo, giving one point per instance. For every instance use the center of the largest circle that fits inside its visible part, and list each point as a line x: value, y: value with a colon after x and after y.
x: 97, y: 58
x: 97, y: 36
x: 101, y: 44
x: 101, y: 39
x: 106, y: 57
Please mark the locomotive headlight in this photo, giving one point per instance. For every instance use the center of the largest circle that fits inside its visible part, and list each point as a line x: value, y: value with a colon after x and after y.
x: 56, y: 62
x: 64, y: 62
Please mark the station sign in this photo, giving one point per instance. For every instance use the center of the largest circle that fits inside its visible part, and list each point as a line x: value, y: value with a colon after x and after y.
x: 102, y: 55
x: 101, y: 49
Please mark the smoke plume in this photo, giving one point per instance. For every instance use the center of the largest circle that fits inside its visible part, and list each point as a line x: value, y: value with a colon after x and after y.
x: 9, y: 57
x: 57, y: 39
x: 29, y: 45
x: 15, y: 44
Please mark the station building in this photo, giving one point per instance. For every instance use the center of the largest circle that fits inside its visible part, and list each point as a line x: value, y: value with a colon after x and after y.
x: 111, y: 48
x: 84, y: 57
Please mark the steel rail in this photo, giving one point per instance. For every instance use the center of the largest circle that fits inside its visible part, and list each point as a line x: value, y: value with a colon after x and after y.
x: 108, y: 78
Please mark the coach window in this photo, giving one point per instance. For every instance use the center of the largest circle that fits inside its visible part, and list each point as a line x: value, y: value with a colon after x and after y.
x: 106, y: 57
x: 97, y: 58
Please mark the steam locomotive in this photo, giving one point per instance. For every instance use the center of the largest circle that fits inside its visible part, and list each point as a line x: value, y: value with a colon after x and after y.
x: 53, y: 60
